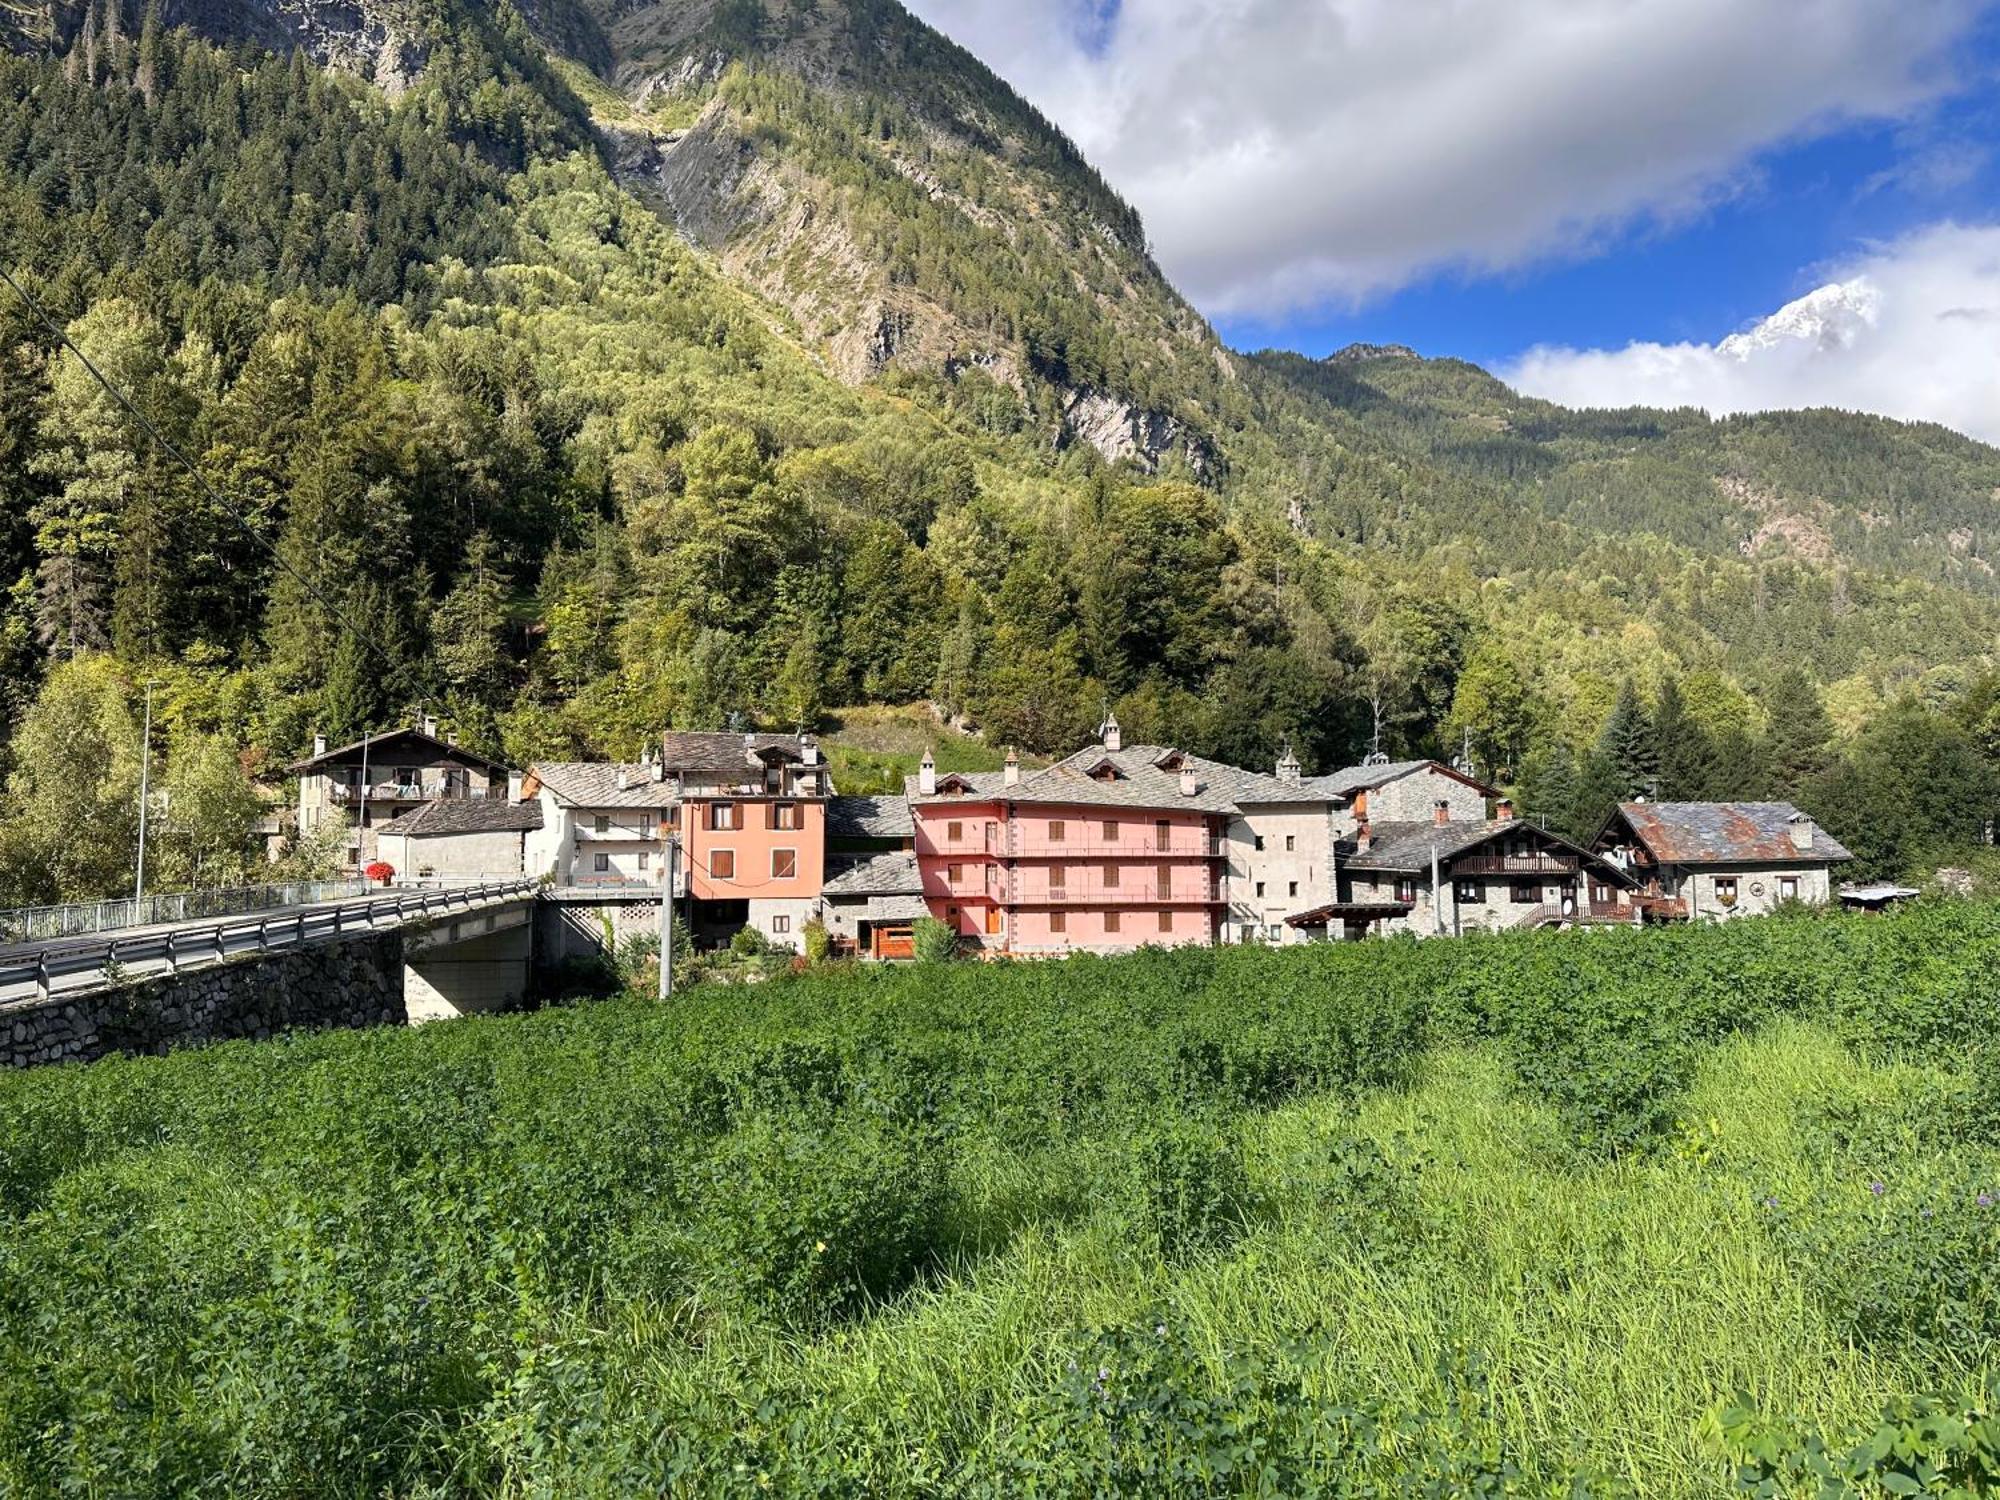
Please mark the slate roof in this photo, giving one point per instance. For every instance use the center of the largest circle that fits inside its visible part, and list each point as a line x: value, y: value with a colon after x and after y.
x: 869, y: 818
x: 488, y: 815
x: 1341, y: 785
x: 1726, y: 833
x: 1406, y: 847
x: 875, y: 875
x: 593, y: 783
x: 720, y: 751
x: 383, y: 745
x: 1142, y: 781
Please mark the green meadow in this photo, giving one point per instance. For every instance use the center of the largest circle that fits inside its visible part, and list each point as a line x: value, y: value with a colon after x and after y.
x: 1662, y: 1213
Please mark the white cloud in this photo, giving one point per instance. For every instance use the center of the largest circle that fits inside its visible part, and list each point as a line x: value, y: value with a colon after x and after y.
x: 1293, y: 152
x: 1910, y: 329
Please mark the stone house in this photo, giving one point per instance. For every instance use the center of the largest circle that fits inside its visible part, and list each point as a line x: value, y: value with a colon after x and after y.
x: 382, y: 777
x: 463, y: 839
x: 1719, y: 860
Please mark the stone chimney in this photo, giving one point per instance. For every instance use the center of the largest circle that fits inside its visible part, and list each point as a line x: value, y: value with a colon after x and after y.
x: 809, y: 750
x: 514, y: 783
x: 319, y: 744
x: 1802, y: 832
x: 1288, y: 766
x: 429, y: 725
x: 1504, y: 810
x: 624, y: 779
x: 1188, y: 784
x: 927, y: 775
x: 1364, y: 837
x: 1114, y: 738
x: 1441, y: 815
x: 1010, y: 773
x: 659, y: 769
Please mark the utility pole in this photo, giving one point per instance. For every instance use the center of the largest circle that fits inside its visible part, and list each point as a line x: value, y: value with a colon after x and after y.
x: 145, y: 788
x: 361, y: 815
x: 667, y: 918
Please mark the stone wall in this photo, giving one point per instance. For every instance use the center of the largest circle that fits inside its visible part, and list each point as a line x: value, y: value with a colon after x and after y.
x: 354, y: 983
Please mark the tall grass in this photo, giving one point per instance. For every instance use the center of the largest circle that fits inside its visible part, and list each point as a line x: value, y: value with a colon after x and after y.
x: 1506, y: 1216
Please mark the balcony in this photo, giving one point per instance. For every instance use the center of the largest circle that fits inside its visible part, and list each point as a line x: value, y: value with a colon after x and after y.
x: 344, y: 795
x: 1516, y: 864
x: 1139, y: 893
x: 618, y: 833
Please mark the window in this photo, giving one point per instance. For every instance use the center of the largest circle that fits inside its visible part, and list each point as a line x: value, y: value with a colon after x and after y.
x: 1526, y: 893
x: 780, y: 926
x: 1257, y: 842
x: 1056, y: 831
x: 1166, y: 921
x: 1788, y: 888
x: 645, y: 825
x: 1163, y: 834
x: 1058, y: 921
x: 602, y: 824
x: 1471, y: 891
x: 784, y: 864
x: 1110, y: 830
x: 1291, y: 888
x: 722, y: 817
x: 1110, y: 922
x: 1725, y: 890
x: 1163, y: 877
x: 1058, y: 880
x: 1111, y: 877
x: 1260, y: 890
x: 1291, y: 843
x: 954, y: 832
x: 953, y: 874
x: 601, y: 863
x: 722, y: 864
x: 645, y: 859
x: 993, y: 921
x: 785, y: 816
x: 1406, y: 891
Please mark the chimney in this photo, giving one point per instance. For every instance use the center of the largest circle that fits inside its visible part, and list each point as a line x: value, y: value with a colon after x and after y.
x: 659, y: 770
x: 1442, y: 814
x: 319, y: 744
x: 927, y: 775
x: 514, y: 783
x: 1188, y: 787
x: 1364, y: 837
x: 809, y: 750
x: 1114, y: 739
x: 1504, y: 810
x: 1288, y: 766
x: 1802, y: 832
x: 430, y: 725
x: 624, y: 779
x: 1010, y: 774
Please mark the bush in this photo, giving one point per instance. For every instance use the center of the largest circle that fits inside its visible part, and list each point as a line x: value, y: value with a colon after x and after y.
x: 819, y: 943
x: 934, y: 941
x: 748, y: 942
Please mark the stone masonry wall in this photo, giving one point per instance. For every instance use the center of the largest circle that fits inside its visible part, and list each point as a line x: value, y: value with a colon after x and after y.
x: 354, y: 983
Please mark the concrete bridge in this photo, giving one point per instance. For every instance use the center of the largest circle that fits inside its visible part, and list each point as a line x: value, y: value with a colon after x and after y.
x: 412, y: 955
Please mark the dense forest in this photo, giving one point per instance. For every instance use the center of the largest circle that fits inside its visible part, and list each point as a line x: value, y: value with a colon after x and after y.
x: 506, y: 393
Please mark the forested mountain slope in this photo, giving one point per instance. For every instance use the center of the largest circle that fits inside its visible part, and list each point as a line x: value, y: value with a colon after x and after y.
x: 619, y: 366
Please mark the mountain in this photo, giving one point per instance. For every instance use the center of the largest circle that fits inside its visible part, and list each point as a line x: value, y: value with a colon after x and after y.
x: 611, y: 365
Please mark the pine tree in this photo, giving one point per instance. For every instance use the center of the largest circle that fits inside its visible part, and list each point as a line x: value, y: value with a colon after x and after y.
x: 1798, y: 745
x: 147, y: 77
x: 1627, y: 747
x: 1686, y: 755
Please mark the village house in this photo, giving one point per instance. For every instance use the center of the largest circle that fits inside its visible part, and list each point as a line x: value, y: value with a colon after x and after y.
x: 1447, y: 875
x: 383, y: 777
x: 750, y: 812
x: 1719, y: 860
x: 873, y: 896
x: 1109, y: 849
x: 461, y: 839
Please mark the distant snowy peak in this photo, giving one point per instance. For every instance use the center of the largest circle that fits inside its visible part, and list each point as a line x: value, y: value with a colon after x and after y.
x: 1829, y: 319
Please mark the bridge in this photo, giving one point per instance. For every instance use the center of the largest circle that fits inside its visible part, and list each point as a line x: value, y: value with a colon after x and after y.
x: 459, y: 949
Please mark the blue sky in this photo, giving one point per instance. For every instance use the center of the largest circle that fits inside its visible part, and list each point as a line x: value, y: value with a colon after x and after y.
x: 1588, y: 196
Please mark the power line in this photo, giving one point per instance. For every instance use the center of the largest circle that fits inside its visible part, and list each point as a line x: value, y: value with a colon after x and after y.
x: 425, y: 689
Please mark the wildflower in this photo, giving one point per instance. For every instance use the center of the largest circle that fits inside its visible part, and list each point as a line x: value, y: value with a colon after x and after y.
x: 1877, y: 1188
x: 820, y: 1248
x: 1160, y: 1331
x: 1771, y: 1201
x: 1984, y: 1200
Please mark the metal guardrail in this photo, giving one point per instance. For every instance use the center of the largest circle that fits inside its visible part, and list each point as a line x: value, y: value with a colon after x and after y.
x: 66, y: 968
x: 30, y: 924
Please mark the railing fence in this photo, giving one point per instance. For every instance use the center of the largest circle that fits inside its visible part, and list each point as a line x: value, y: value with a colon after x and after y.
x: 30, y: 924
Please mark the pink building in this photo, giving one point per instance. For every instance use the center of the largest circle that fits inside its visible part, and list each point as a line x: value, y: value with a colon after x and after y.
x: 1106, y: 851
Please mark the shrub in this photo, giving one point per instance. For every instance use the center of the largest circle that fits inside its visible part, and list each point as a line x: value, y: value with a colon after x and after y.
x: 934, y: 941
x: 1192, y: 1188
x: 748, y: 942
x: 819, y: 943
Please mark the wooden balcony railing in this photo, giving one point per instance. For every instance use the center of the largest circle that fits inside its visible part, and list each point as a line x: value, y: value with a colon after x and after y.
x: 1516, y: 864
